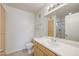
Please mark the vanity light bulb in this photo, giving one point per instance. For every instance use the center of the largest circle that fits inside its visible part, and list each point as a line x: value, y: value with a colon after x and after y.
x: 70, y: 13
x: 56, y: 24
x: 47, y: 8
x: 51, y: 5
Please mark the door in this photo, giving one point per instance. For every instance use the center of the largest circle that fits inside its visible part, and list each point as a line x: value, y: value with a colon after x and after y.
x: 2, y: 27
x: 72, y: 27
x: 50, y: 27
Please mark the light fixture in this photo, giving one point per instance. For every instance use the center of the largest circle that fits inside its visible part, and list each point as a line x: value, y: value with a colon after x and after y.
x: 51, y: 5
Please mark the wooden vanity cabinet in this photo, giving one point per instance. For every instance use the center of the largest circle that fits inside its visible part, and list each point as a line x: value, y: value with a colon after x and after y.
x: 40, y: 50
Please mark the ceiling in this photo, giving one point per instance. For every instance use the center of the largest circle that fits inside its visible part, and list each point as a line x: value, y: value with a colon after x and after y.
x: 32, y: 7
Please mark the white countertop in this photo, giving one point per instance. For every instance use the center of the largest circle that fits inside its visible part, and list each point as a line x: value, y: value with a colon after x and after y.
x: 59, y: 48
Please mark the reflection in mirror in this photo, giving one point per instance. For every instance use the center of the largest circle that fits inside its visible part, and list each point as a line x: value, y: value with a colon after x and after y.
x: 60, y: 27
x: 72, y: 26
x: 50, y: 26
x: 68, y: 27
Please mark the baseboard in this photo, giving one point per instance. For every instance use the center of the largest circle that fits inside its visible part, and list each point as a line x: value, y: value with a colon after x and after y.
x: 10, y: 52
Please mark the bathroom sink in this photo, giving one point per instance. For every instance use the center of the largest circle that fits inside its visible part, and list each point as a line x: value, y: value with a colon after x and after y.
x: 50, y: 42
x: 53, y: 43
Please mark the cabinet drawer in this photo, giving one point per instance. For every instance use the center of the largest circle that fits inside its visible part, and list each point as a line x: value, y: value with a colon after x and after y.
x: 46, y: 51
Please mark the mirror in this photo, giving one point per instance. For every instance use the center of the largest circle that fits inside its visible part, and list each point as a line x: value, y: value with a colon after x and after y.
x: 60, y: 27
x: 72, y: 26
x: 50, y: 26
x: 66, y: 20
x: 68, y: 27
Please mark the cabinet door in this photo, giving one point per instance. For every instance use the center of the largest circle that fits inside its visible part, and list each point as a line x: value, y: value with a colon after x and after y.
x: 34, y: 49
x: 46, y: 51
x: 39, y: 52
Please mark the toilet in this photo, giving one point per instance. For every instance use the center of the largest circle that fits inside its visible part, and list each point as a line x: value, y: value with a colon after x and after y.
x: 29, y: 47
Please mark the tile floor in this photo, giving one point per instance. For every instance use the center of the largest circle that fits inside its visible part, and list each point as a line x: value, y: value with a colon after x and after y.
x: 20, y: 53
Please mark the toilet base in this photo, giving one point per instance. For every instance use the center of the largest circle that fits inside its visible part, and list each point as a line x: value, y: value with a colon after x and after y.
x: 29, y: 47
x: 29, y: 51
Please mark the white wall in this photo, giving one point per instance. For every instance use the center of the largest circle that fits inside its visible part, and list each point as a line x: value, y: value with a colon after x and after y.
x: 19, y: 28
x: 41, y: 25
